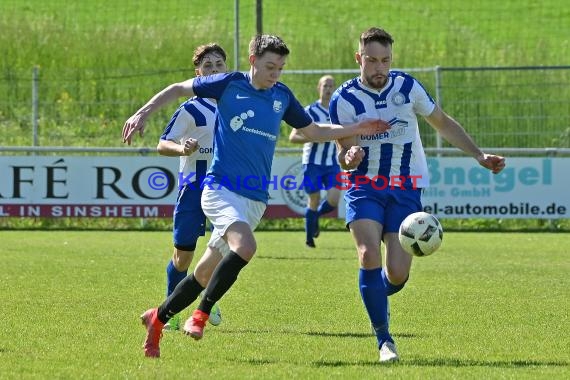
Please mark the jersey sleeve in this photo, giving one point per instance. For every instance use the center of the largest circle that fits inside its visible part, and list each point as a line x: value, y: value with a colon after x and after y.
x: 213, y: 86
x: 295, y: 115
x: 179, y: 125
x: 340, y: 110
x: 312, y: 114
x: 423, y: 102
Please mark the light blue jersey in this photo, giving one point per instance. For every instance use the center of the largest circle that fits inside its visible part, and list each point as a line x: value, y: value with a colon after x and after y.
x: 246, y: 131
x: 397, y: 153
x: 319, y: 153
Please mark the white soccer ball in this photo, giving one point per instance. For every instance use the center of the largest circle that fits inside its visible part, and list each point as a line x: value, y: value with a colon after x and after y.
x: 420, y: 234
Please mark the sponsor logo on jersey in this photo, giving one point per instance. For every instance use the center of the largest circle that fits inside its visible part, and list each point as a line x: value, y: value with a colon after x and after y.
x: 277, y: 106
x: 237, y: 122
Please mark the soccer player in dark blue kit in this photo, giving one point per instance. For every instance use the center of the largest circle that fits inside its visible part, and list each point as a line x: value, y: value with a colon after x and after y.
x: 250, y: 110
x: 320, y: 165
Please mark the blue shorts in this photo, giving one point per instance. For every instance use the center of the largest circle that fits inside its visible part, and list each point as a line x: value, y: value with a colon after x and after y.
x: 389, y: 207
x: 189, y: 219
x: 320, y: 177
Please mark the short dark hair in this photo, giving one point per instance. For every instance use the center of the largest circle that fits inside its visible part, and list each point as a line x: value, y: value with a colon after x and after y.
x: 376, y: 35
x: 202, y: 50
x: 265, y: 42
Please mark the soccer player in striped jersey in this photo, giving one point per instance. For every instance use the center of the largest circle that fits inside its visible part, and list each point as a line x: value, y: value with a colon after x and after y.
x: 248, y: 118
x: 320, y: 165
x: 189, y: 135
x: 388, y: 170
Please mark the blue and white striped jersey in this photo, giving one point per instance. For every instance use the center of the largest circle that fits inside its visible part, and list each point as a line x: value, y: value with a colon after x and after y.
x: 319, y: 153
x: 195, y: 118
x: 398, y: 151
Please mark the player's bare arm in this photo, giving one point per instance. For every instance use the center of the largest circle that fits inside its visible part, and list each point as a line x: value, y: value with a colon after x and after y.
x: 172, y: 148
x: 454, y: 133
x: 167, y: 95
x: 296, y: 136
x: 327, y: 132
x: 350, y: 155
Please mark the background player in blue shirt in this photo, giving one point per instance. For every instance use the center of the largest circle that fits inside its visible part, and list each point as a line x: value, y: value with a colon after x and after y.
x: 248, y: 117
x: 320, y: 165
x: 189, y: 135
x: 375, y: 212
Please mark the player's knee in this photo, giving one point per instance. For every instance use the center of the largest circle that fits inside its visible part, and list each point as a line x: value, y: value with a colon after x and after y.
x: 183, y: 257
x: 202, y: 274
x: 246, y: 251
x: 399, y: 279
x: 332, y: 202
x: 393, y: 288
x: 369, y: 257
x: 333, y: 196
x: 395, y: 283
x: 313, y: 201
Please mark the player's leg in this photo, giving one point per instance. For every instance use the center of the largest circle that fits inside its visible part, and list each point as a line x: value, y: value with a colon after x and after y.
x: 155, y: 319
x: 206, y: 265
x: 203, y: 272
x: 398, y: 262
x: 234, y: 218
x: 365, y: 217
x: 312, y: 218
x: 176, y: 271
x: 366, y: 234
x: 188, y: 225
x: 330, y: 203
x: 190, y: 287
x: 177, y: 267
x: 311, y: 185
x: 242, y: 246
x: 397, y: 266
x: 330, y: 183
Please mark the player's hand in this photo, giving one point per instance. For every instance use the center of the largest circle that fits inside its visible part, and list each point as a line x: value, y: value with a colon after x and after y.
x: 354, y: 157
x: 372, y: 126
x: 133, y: 124
x: 492, y: 162
x: 190, y: 146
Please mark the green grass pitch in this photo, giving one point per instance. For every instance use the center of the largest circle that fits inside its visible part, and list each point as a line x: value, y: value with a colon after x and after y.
x: 486, y: 305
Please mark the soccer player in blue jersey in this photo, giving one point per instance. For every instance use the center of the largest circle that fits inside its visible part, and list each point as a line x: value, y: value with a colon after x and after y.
x: 189, y: 135
x: 248, y: 117
x: 388, y: 170
x: 320, y: 165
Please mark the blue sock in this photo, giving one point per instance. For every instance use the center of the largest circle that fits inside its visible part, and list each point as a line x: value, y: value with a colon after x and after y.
x: 325, y: 207
x: 375, y: 300
x: 173, y: 277
x: 391, y: 288
x: 310, y: 223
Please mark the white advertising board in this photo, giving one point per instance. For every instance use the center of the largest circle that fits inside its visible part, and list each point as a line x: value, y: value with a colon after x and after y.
x: 70, y: 186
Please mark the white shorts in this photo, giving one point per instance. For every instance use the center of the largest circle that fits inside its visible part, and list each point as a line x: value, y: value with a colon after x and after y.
x: 223, y: 208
